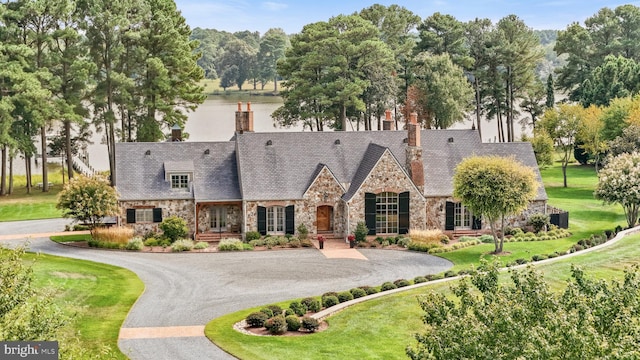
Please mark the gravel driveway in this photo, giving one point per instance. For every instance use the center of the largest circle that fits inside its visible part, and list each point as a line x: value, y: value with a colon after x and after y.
x: 189, y: 289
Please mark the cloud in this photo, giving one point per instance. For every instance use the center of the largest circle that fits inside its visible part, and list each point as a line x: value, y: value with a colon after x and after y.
x: 274, y: 6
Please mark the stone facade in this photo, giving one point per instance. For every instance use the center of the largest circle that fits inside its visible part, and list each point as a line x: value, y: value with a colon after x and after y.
x: 324, y: 191
x: 181, y: 208
x: 388, y: 176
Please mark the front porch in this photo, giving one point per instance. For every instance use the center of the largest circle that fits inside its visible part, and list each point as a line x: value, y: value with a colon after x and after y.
x: 218, y: 220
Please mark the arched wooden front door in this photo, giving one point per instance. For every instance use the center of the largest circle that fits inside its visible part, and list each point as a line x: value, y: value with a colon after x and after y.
x: 324, y: 218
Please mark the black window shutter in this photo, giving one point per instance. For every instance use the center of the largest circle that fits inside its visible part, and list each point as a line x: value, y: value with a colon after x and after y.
x: 157, y: 215
x: 476, y: 223
x: 131, y: 216
x: 289, y: 220
x: 403, y: 213
x: 262, y: 220
x: 370, y: 212
x: 449, y: 220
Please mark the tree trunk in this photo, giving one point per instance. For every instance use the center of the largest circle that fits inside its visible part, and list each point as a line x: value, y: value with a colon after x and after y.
x: 564, y: 173
x: 495, y: 235
x: 45, y: 172
x: 3, y: 171
x: 27, y: 168
x: 10, y: 191
x: 478, y: 119
x: 275, y: 84
x: 343, y: 117
x: 67, y: 129
x: 501, y: 234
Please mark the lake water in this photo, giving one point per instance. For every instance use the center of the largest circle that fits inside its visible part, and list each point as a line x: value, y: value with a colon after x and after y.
x: 214, y: 120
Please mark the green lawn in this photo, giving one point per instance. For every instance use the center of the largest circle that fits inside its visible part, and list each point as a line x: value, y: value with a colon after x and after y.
x: 37, y: 205
x: 97, y: 297
x: 212, y: 87
x: 383, y: 328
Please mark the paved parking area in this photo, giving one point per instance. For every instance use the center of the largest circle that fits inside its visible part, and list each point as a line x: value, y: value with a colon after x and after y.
x: 184, y: 291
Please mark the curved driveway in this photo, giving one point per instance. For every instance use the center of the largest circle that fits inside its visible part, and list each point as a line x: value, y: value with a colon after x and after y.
x: 190, y: 289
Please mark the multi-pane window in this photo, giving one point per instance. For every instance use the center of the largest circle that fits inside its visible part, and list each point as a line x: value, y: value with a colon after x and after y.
x: 462, y: 217
x: 275, y: 220
x: 179, y: 181
x: 218, y: 218
x: 387, y: 213
x: 144, y: 215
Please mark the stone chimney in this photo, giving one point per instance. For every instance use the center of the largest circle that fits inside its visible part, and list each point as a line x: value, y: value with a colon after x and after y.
x: 414, y: 163
x: 387, y: 123
x: 176, y: 133
x: 244, y: 119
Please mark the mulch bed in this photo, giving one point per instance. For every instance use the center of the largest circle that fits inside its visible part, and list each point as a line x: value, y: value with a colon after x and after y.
x: 245, y: 329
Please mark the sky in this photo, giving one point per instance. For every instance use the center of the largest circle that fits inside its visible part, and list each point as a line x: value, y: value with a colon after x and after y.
x: 292, y: 15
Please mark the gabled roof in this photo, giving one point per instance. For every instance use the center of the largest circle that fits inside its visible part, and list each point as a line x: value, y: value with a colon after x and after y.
x: 140, y: 176
x: 317, y: 172
x: 369, y: 160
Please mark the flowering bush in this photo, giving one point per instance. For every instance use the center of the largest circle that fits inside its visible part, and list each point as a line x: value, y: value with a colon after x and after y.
x: 619, y: 182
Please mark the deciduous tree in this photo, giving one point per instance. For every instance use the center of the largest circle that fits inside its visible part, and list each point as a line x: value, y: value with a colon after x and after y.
x: 494, y: 187
x: 563, y: 124
x: 619, y: 183
x: 88, y: 199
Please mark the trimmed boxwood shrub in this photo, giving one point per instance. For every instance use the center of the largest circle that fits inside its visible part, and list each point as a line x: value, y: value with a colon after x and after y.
x: 330, y: 293
x: 267, y: 312
x: 369, y: 289
x: 252, y: 235
x: 288, y: 312
x: 330, y: 301
x: 419, y: 279
x: 293, y: 323
x: 345, y: 296
x: 312, y: 304
x: 256, y: 319
x: 275, y: 309
x: 277, y: 325
x: 388, y: 286
x: 298, y: 308
x: 310, y: 324
x: 357, y: 293
x: 450, y: 273
x: 401, y: 283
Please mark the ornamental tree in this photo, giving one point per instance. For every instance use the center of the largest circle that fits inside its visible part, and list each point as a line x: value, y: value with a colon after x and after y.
x: 88, y: 199
x: 619, y: 182
x: 524, y: 319
x: 494, y: 187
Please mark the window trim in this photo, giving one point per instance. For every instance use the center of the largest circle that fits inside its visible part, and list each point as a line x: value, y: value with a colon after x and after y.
x: 462, y: 217
x: 180, y: 181
x: 387, y: 213
x: 276, y: 220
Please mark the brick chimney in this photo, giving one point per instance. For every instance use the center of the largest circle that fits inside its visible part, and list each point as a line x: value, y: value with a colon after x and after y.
x: 244, y: 119
x: 414, y: 163
x: 387, y: 123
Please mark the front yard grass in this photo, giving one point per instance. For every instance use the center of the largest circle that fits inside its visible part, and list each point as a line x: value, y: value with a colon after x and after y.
x: 96, y: 296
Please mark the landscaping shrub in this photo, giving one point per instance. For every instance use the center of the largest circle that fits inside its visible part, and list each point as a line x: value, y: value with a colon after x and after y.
x: 369, y: 289
x: 281, y: 240
x: 303, y: 232
x: 298, y: 308
x: 257, y: 242
x: 103, y: 244
x: 608, y: 234
x: 330, y: 293
x: 230, y: 245
x: 401, y: 283
x: 357, y: 293
x: 538, y: 257
x: 288, y: 312
x: 466, y: 238
x: 444, y: 239
x: 256, y: 319
x: 80, y: 227
x: 388, y: 286
x: 247, y: 247
x: 252, y: 235
x: 276, y: 325
x: 379, y: 239
x: 275, y: 309
x: 345, y: 296
x: 182, y: 245
x: 271, y: 242
x: 312, y: 304
x: 433, y: 236
x: 538, y: 221
x: 135, y: 244
x: 294, y: 243
x: 267, y: 312
x: 116, y: 235
x: 310, y: 324
x: 330, y: 301
x: 419, y: 279
x: 361, y: 232
x: 200, y: 245
x: 306, y: 243
x: 618, y: 229
x: 151, y: 242
x: 293, y: 323
x: 521, y: 261
x: 422, y: 247
x: 174, y: 228
x: 486, y: 238
x: 404, y: 242
x: 450, y: 273
x: 576, y: 247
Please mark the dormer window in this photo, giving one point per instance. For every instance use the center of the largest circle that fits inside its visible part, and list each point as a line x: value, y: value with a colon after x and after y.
x: 180, y: 181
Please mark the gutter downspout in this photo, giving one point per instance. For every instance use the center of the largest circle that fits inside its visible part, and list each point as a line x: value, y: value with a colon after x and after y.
x: 346, y: 233
x: 243, y: 228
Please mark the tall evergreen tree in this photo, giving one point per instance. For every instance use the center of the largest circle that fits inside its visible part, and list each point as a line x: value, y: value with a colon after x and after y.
x: 272, y: 48
x: 550, y: 102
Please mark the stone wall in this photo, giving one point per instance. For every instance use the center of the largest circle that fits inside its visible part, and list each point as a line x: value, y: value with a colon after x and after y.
x: 181, y: 208
x: 387, y: 176
x: 325, y: 190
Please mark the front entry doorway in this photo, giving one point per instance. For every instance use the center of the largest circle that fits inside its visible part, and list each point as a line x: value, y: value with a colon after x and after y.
x: 218, y: 216
x: 324, y: 218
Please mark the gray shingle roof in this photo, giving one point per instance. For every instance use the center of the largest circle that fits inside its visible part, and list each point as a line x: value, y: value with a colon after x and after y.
x: 140, y: 176
x: 369, y: 160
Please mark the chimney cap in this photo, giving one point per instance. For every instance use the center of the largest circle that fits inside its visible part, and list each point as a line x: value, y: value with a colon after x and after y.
x: 239, y: 105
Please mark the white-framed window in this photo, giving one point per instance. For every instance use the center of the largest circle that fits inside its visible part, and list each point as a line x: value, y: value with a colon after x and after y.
x: 461, y: 217
x: 275, y: 220
x: 387, y: 213
x: 218, y: 216
x: 144, y: 215
x: 180, y: 181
